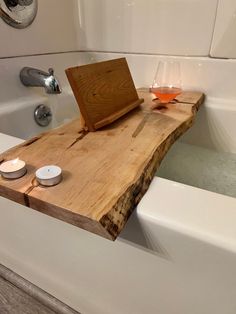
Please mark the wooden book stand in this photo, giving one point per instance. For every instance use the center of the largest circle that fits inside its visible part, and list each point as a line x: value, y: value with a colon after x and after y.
x: 104, y: 91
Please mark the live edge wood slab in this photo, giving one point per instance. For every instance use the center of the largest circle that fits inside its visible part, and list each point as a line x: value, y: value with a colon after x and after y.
x: 105, y: 173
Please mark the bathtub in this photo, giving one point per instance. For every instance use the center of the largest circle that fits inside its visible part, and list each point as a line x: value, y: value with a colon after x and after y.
x: 21, y: 112
x: 177, y: 253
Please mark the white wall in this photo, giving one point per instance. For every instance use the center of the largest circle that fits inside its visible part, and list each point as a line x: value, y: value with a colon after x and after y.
x: 224, y: 43
x: 167, y: 27
x: 175, y: 27
x: 53, y: 30
x: 172, y: 27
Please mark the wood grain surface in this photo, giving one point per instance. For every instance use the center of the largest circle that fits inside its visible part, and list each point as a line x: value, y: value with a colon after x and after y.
x: 16, y: 301
x: 104, y: 91
x: 105, y: 173
x: 19, y: 296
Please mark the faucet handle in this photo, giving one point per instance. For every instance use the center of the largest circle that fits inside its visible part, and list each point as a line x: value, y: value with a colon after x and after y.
x: 51, y: 71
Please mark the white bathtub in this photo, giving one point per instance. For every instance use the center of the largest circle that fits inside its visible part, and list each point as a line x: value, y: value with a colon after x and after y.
x: 17, y: 118
x: 176, y: 255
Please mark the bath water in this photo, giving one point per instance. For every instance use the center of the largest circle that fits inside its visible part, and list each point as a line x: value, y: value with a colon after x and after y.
x: 200, y: 167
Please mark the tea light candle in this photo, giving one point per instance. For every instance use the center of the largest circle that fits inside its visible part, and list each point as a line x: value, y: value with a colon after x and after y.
x: 49, y: 175
x: 13, y: 169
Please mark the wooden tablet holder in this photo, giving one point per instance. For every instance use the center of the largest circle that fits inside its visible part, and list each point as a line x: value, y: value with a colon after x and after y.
x: 104, y: 91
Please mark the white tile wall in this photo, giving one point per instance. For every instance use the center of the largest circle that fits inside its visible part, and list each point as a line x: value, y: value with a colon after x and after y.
x: 176, y: 27
x: 54, y: 30
x: 224, y: 43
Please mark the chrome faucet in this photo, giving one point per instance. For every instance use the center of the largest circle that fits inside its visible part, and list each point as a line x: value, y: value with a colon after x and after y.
x: 35, y: 77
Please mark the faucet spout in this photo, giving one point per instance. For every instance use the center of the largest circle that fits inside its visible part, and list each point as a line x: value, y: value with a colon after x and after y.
x: 34, y: 77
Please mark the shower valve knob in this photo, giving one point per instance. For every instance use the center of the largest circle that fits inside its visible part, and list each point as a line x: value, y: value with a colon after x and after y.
x: 18, y: 13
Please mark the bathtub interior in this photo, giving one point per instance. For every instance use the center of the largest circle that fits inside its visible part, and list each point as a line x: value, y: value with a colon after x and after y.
x: 200, y: 167
x: 206, y: 156
x: 17, y: 119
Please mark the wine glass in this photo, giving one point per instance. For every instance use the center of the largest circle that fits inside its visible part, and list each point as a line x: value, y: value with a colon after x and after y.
x: 167, y: 81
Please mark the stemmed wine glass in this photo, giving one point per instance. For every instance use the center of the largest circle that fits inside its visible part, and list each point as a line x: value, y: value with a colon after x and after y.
x: 167, y: 81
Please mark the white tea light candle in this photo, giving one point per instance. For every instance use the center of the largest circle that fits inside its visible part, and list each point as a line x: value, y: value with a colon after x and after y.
x: 49, y: 175
x: 13, y: 169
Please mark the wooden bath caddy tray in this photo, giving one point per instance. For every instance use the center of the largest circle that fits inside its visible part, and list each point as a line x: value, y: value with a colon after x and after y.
x: 105, y: 173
